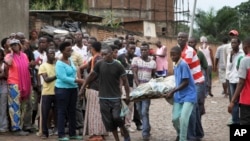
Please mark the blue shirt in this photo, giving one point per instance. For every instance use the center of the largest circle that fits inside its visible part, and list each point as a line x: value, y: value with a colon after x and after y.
x: 65, y: 75
x: 187, y: 94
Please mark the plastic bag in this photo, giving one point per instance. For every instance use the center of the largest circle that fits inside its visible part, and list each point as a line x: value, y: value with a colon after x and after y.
x: 124, y: 110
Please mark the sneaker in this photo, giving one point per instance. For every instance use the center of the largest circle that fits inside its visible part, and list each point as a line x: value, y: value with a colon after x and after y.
x: 127, y: 139
x: 21, y: 133
x: 63, y: 139
x: 44, y: 136
x: 139, y: 127
x: 131, y: 130
x: 51, y: 132
x: 76, y: 138
x: 146, y: 138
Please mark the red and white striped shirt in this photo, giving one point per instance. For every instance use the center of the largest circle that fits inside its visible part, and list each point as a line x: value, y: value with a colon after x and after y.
x: 189, y: 55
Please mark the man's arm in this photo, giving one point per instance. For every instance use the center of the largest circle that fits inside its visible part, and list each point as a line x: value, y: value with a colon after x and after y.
x: 236, y: 94
x: 135, y: 72
x: 184, y: 83
x: 126, y: 86
x: 90, y: 78
x: 48, y: 79
x: 212, y: 57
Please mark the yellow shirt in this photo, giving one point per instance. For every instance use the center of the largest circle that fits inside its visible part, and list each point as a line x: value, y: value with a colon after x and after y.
x: 76, y: 58
x: 48, y: 88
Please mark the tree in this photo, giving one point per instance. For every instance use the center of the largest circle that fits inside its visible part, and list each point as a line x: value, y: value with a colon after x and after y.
x: 75, y: 5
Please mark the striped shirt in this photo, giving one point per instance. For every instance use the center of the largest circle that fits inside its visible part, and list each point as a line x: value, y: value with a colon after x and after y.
x: 144, y: 68
x: 189, y: 55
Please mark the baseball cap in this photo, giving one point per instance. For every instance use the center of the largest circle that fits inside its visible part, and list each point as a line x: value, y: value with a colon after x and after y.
x: 14, y: 41
x: 234, y: 32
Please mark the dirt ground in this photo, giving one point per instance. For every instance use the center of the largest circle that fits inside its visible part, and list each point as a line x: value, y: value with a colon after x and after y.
x: 214, y: 121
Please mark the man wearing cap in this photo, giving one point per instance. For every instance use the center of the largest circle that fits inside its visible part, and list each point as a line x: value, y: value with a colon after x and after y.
x: 227, y: 49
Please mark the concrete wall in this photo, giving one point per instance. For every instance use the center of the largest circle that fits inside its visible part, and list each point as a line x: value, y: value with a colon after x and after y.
x: 14, y: 17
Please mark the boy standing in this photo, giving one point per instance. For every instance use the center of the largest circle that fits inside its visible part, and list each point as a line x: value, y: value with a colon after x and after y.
x: 184, y: 94
x: 242, y: 91
x: 47, y: 71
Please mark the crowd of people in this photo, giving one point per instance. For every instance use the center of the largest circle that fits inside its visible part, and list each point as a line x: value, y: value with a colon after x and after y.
x: 75, y: 85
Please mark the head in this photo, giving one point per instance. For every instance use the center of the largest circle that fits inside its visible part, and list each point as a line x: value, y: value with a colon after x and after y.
x: 144, y: 50
x: 158, y: 44
x: 86, y: 36
x: 5, y: 43
x: 95, y: 48
x: 85, y: 42
x: 12, y: 35
x: 182, y: 39
x: 107, y: 53
x: 233, y: 33
x: 235, y: 43
x: 118, y: 43
x: 225, y: 40
x: 131, y: 48
x: 21, y: 37
x: 203, y: 41
x: 115, y: 51
x: 43, y: 43
x: 175, y: 54
x: 192, y: 42
x: 51, y: 54
x: 130, y: 38
x: 66, y: 49
x: 33, y: 35
x: 246, y: 45
x: 69, y: 39
x: 15, y: 45
x: 78, y: 37
x: 57, y: 40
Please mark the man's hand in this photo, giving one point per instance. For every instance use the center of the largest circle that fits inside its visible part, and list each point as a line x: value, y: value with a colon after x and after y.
x: 81, y: 93
x: 170, y: 94
x: 230, y: 107
x: 127, y: 100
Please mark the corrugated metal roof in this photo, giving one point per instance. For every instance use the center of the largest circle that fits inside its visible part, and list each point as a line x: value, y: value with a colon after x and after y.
x: 73, y: 15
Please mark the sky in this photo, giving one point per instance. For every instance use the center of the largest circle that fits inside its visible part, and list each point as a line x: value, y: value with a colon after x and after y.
x: 217, y: 4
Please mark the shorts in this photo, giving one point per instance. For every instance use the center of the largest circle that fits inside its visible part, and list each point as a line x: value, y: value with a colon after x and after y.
x: 222, y: 75
x: 110, y: 111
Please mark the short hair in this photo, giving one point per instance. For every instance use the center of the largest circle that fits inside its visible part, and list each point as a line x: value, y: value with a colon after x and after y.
x: 203, y: 39
x: 113, y: 47
x: 176, y: 49
x: 97, y: 46
x: 247, y: 41
x: 105, y: 46
x: 238, y: 39
x: 225, y: 40
x: 4, y: 40
x: 93, y: 38
x: 145, y: 44
x: 63, y: 45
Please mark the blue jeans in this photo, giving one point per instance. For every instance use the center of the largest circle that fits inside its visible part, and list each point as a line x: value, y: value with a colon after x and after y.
x: 143, y: 109
x: 235, y: 112
x: 180, y: 118
x: 66, y: 106
x: 195, y: 130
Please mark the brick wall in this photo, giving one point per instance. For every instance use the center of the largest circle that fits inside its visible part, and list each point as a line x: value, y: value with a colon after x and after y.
x: 102, y: 33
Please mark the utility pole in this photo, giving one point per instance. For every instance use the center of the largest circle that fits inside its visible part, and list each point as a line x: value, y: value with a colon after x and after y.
x: 192, y: 20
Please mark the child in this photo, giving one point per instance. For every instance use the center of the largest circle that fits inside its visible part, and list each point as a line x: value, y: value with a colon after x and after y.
x: 184, y: 95
x: 47, y: 71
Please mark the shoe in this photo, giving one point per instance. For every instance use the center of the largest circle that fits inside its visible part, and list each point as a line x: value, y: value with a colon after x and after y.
x: 63, y: 139
x: 131, y: 130
x: 139, y: 127
x: 118, y: 130
x: 21, y: 133
x: 76, y: 138
x: 146, y: 138
x: 127, y: 139
x: 210, y: 94
x: 177, y: 138
x: 80, y: 131
x: 44, y: 136
x: 51, y: 132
